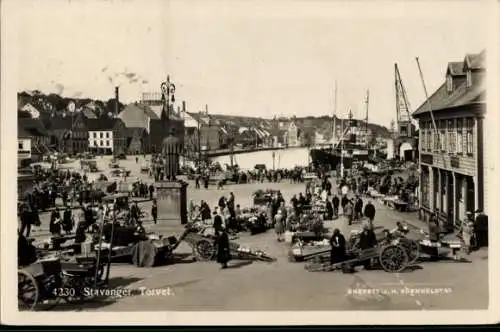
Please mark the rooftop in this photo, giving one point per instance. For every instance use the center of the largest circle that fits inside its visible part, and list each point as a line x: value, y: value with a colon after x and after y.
x: 461, y: 94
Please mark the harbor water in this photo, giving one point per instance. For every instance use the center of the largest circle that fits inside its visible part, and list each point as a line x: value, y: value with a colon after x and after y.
x: 283, y: 158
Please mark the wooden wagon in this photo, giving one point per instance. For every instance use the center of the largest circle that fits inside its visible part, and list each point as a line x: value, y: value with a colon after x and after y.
x: 142, y: 251
x: 391, y: 258
x: 204, y: 248
x: 411, y: 246
x: 52, y: 280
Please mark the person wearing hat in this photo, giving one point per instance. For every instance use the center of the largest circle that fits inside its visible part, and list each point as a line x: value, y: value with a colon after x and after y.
x: 217, y: 224
x: 67, y: 220
x: 55, y: 222
x: 222, y: 245
x: 481, y: 227
x: 467, y: 232
x: 140, y: 231
x: 338, y: 251
x: 367, y: 240
x: 154, y: 211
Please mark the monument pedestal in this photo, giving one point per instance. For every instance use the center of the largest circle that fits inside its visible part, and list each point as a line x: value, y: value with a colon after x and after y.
x: 171, y: 200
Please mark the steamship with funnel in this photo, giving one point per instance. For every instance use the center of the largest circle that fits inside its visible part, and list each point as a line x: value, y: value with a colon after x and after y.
x: 350, y: 144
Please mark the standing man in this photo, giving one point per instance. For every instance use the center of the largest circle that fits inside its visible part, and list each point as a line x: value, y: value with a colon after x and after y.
x: 481, y: 227
x: 151, y: 191
x: 336, y: 203
x: 329, y: 210
x: 370, y: 213
x: 154, y: 211
x: 204, y: 211
x: 367, y: 240
x: 349, y: 211
x: 134, y: 212
x: 67, y: 220
x: 26, y: 220
x: 467, y: 232
x: 230, y: 205
x: 358, y: 208
x: 344, y: 202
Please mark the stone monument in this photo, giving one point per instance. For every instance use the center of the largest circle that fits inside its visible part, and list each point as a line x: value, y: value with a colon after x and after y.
x: 170, y: 192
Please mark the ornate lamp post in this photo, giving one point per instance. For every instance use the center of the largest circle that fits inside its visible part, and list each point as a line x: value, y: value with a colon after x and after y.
x: 167, y: 96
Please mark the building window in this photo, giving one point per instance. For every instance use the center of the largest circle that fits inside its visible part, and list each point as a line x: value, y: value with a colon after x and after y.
x: 442, y: 135
x: 101, y: 143
x: 20, y: 146
x: 452, y: 146
x: 422, y: 137
x: 428, y: 139
x: 100, y: 134
x: 107, y: 134
x: 95, y: 143
x: 469, y: 78
x: 469, y: 136
x: 425, y: 188
x: 460, y: 140
x: 449, y: 83
x: 107, y: 143
x: 95, y: 135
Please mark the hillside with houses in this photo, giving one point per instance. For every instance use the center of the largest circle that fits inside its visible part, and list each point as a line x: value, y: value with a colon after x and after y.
x: 76, y: 125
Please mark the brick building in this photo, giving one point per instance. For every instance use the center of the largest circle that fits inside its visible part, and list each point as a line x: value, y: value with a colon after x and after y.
x: 451, y: 152
x: 68, y: 133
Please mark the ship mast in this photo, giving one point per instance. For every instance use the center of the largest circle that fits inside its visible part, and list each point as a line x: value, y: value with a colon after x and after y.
x: 366, y: 119
x: 334, y: 129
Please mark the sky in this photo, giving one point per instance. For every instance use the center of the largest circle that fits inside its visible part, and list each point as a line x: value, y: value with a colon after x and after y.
x: 259, y: 58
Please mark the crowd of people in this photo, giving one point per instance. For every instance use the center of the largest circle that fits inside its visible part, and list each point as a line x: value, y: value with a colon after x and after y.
x: 76, y: 193
x: 349, y: 200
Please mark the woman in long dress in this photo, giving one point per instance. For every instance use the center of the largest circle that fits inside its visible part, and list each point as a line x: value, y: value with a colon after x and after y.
x: 223, y: 253
x: 279, y: 226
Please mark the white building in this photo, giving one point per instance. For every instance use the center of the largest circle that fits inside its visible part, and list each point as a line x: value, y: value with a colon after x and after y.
x: 23, y: 147
x: 101, y: 140
x: 32, y: 110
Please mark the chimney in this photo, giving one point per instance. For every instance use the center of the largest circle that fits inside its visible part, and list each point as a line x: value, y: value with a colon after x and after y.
x: 184, y: 106
x: 117, y: 101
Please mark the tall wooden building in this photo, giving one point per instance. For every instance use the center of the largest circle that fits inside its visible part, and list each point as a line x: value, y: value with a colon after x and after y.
x: 451, y: 147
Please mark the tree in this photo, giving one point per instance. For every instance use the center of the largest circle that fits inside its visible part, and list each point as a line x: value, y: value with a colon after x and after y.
x: 110, y: 106
x: 57, y: 101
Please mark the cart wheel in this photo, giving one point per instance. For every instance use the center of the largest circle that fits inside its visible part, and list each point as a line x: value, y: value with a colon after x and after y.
x: 144, y: 254
x: 101, y: 275
x: 204, y: 250
x: 28, y: 292
x: 393, y: 258
x: 412, y: 249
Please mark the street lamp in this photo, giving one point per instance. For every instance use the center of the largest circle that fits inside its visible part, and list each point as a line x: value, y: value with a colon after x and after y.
x: 167, y: 96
